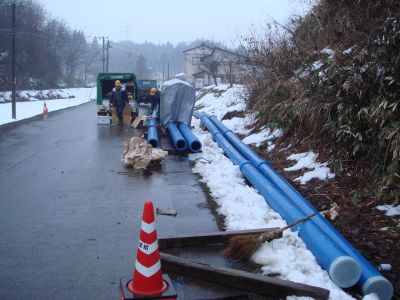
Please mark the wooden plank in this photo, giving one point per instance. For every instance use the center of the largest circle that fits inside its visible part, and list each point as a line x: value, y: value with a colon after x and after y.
x: 239, y: 279
x: 202, y: 239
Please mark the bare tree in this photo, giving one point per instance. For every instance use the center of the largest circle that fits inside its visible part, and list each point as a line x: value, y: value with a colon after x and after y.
x: 210, y: 66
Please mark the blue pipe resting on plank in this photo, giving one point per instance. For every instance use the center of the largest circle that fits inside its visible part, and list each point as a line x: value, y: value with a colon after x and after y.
x: 371, y: 281
x: 152, y: 134
x: 176, y: 135
x: 191, y: 140
x: 343, y: 269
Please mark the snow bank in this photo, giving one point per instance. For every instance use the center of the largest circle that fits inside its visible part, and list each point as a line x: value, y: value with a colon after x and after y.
x: 240, y: 125
x: 35, y: 107
x: 307, y: 160
x: 34, y: 95
x: 244, y: 208
x: 266, y: 134
x: 221, y: 99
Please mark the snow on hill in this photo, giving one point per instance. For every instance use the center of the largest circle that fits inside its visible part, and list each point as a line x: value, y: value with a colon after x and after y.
x: 242, y: 206
x: 33, y: 101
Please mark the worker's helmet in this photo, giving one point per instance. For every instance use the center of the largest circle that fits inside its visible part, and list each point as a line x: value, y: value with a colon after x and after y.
x: 117, y: 83
x: 153, y: 91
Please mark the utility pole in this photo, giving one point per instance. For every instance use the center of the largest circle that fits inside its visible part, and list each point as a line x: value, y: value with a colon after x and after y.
x: 108, y: 54
x: 163, y: 66
x: 13, y: 32
x: 13, y: 77
x: 103, y: 38
x: 104, y: 58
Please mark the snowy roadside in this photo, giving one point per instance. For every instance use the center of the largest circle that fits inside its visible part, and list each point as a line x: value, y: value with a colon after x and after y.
x: 244, y: 208
x: 35, y: 107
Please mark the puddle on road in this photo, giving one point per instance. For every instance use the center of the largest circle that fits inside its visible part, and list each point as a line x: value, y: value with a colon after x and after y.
x: 152, y: 167
x: 134, y: 173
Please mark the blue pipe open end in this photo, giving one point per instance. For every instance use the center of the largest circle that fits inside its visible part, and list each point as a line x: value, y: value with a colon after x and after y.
x: 180, y: 145
x: 195, y: 146
x: 344, y: 271
x: 380, y: 286
x: 177, y: 138
x: 153, y: 143
x: 191, y: 140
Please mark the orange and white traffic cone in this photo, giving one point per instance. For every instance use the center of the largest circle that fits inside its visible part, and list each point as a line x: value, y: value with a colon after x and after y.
x: 45, y: 109
x: 148, y: 281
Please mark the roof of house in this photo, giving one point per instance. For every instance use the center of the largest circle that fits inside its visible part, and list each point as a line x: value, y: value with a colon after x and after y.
x: 201, y: 45
x: 213, y: 50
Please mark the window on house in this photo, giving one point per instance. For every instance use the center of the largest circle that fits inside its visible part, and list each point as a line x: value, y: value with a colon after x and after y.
x: 196, y: 60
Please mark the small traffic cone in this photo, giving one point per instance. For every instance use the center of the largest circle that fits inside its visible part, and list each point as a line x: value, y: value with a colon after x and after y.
x: 45, y: 109
x: 148, y: 281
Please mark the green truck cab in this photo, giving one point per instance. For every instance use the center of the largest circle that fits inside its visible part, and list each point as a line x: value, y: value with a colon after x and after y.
x: 105, y: 85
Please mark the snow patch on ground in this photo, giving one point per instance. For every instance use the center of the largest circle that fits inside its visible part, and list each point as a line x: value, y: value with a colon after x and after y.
x: 390, y: 210
x: 307, y: 160
x: 244, y: 208
x: 240, y: 125
x: 371, y: 296
x: 221, y: 99
x: 264, y: 135
x: 329, y: 52
x: 35, y: 107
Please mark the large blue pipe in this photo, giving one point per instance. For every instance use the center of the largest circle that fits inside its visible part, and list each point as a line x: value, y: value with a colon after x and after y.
x: 191, y: 140
x: 177, y: 137
x: 152, y: 134
x: 371, y: 281
x: 343, y: 269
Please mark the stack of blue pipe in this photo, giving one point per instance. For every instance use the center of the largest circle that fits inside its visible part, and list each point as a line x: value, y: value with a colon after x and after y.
x: 183, y: 138
x: 345, y: 265
x: 152, y: 133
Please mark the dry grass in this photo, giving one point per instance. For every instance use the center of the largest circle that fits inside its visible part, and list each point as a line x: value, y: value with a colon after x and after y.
x: 347, y: 102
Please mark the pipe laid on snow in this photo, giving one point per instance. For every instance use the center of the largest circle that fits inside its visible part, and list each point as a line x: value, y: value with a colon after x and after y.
x: 343, y: 269
x: 152, y: 134
x: 177, y: 137
x: 371, y: 281
x: 191, y: 140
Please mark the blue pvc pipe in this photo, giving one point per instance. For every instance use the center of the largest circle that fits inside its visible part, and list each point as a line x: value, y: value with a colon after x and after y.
x: 177, y: 138
x: 152, y: 134
x: 370, y: 280
x: 343, y: 269
x: 191, y: 140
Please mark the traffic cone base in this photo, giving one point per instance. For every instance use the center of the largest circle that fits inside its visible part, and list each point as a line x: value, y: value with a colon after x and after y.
x: 126, y: 294
x: 139, y: 292
x: 148, y: 281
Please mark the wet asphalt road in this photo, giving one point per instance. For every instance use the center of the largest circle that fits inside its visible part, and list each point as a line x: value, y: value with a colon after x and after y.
x: 69, y: 223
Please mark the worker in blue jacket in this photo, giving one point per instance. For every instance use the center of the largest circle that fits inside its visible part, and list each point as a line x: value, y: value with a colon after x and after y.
x: 119, y: 99
x: 155, y: 99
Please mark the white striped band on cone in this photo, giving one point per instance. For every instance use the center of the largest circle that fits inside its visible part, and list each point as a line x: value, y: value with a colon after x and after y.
x: 148, y: 256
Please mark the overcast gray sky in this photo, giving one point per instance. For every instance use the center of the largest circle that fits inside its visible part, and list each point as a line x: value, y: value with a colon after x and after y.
x: 160, y: 21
